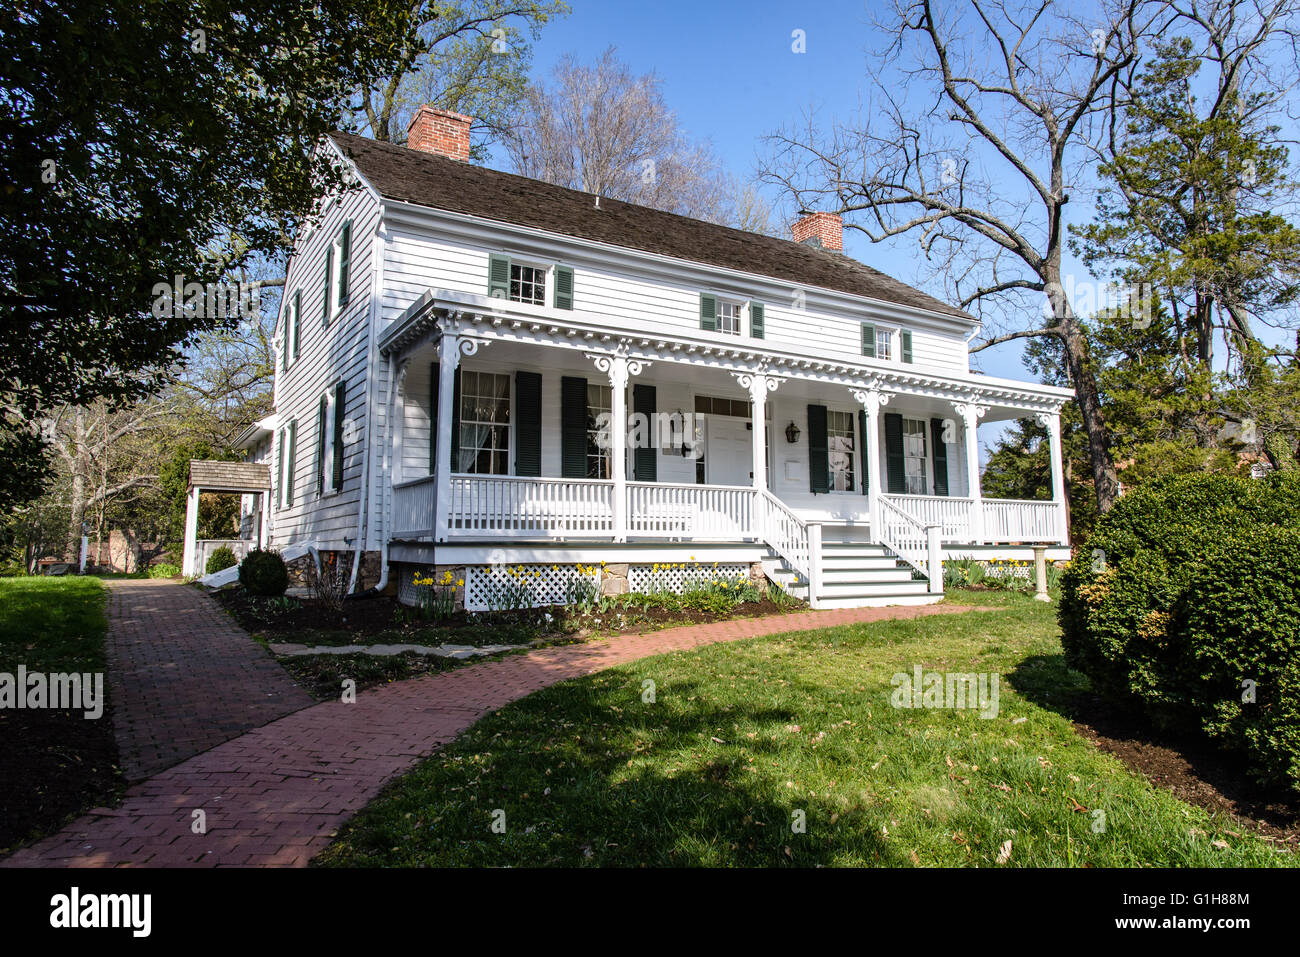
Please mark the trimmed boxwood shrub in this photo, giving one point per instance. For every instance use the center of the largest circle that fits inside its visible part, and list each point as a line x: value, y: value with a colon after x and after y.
x: 263, y: 573
x: 1240, y: 620
x: 1140, y: 619
x: 221, y: 559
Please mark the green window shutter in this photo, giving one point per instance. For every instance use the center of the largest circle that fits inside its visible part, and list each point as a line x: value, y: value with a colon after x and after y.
x: 862, y: 440
x: 756, y: 320
x: 563, y: 287
x: 499, y: 276
x: 293, y: 450
x: 279, y: 470
x: 894, y: 467
x: 940, y: 457
x: 321, y: 417
x: 645, y: 457
x: 345, y: 262
x: 455, y: 421
x: 329, y: 282
x: 906, y: 336
x: 340, y: 410
x: 297, y: 321
x: 528, y: 428
x: 435, y: 371
x: 573, y: 427
x: 708, y: 312
x: 819, y: 462
x: 868, y: 340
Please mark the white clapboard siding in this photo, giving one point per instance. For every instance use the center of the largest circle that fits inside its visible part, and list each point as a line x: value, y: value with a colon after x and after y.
x: 653, y: 298
x: 325, y: 356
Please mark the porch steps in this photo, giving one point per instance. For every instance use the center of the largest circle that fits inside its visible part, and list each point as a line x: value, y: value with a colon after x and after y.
x: 855, y: 575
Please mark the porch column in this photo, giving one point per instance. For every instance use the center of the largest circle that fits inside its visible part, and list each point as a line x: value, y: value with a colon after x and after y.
x: 619, y: 368
x: 450, y: 348
x: 759, y: 385
x: 189, y: 557
x: 871, y: 401
x: 1052, y: 422
x: 971, y: 412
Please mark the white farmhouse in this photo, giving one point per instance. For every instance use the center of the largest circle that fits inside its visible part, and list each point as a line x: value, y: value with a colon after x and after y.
x: 455, y: 343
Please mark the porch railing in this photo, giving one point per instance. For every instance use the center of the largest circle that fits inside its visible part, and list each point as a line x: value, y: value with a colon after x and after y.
x: 723, y: 513
x: 787, y: 534
x: 952, y: 515
x: 1007, y: 520
x: 495, y: 505
x: 415, y: 508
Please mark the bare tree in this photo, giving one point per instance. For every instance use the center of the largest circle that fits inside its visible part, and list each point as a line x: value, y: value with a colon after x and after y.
x: 976, y: 152
x: 603, y: 130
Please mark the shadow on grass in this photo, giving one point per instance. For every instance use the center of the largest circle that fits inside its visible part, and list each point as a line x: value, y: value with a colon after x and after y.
x: 1180, y: 761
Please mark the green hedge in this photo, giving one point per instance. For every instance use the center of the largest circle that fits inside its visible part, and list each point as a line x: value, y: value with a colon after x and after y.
x: 221, y: 559
x: 263, y: 573
x: 1148, y: 607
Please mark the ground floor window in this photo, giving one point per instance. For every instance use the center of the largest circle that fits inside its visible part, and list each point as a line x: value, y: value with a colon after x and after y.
x: 839, y: 447
x: 484, y: 423
x: 599, y: 403
x: 914, y: 456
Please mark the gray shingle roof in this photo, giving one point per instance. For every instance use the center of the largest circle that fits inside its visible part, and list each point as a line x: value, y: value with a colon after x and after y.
x: 427, y: 179
x: 211, y: 475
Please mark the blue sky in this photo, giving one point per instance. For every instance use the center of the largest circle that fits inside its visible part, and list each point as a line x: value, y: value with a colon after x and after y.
x: 731, y: 75
x: 729, y: 72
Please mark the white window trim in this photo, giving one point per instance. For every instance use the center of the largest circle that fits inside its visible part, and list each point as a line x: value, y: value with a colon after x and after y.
x: 927, y: 460
x: 742, y: 315
x: 853, y: 458
x: 328, y: 451
x: 548, y: 282
x: 335, y: 252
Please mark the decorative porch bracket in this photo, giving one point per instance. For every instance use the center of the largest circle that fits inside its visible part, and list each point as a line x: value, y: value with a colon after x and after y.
x: 872, y: 399
x: 619, y: 367
x: 971, y: 412
x: 759, y: 385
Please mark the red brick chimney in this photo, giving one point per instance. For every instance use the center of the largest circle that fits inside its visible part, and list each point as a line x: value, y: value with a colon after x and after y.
x: 821, y: 229
x: 440, y: 131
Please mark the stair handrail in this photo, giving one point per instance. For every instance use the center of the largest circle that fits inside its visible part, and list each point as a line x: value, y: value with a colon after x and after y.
x: 904, y: 536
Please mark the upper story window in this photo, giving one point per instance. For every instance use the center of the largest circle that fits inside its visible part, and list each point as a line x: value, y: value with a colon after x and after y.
x: 527, y: 282
x: 338, y: 269
x: 878, y: 342
x: 292, y: 330
x: 729, y: 317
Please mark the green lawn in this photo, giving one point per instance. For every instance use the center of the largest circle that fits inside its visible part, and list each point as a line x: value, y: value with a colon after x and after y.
x: 55, y: 764
x: 744, y: 736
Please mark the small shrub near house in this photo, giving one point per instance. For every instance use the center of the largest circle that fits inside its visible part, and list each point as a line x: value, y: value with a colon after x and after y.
x: 263, y: 573
x: 1188, y: 589
x: 164, y: 570
x: 220, y: 560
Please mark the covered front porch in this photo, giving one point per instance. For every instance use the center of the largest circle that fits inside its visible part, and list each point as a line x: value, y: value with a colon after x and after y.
x: 505, y: 433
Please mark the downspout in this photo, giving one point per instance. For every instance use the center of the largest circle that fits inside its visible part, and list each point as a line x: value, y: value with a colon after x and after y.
x: 390, y: 403
x: 376, y: 297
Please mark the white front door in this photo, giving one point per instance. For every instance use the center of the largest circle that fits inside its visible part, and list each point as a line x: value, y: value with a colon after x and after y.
x: 728, y: 459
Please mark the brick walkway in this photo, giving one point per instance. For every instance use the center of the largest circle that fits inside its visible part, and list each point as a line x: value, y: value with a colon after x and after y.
x: 183, y: 677
x: 275, y: 795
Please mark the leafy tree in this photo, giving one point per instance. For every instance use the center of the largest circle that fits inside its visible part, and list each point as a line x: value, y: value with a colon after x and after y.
x: 148, y: 139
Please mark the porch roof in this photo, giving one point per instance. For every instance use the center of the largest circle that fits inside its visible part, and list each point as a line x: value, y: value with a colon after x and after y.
x: 215, y: 476
x: 482, y: 319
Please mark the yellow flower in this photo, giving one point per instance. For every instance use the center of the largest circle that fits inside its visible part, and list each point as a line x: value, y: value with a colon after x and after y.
x: 460, y: 582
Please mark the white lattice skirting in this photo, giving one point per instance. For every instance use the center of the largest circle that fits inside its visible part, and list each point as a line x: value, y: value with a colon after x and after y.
x: 526, y: 586
x: 676, y: 577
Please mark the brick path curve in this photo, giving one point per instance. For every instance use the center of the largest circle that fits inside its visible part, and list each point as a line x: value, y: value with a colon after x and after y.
x: 275, y: 796
x: 183, y: 677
